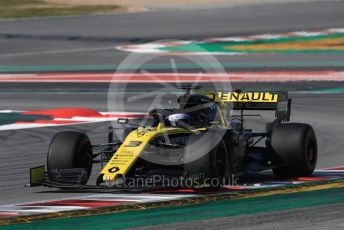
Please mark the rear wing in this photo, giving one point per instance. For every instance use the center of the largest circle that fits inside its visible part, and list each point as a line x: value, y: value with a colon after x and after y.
x: 259, y: 100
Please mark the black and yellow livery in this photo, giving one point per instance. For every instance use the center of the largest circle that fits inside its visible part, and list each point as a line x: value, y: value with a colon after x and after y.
x: 200, y: 139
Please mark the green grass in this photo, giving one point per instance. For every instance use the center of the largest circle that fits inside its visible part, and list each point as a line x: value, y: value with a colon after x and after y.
x: 38, y: 8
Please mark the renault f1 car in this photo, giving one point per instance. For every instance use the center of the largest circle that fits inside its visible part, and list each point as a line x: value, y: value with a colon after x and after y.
x: 199, y: 141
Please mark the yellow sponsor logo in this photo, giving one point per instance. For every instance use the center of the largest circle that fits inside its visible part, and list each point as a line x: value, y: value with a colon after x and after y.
x: 248, y: 97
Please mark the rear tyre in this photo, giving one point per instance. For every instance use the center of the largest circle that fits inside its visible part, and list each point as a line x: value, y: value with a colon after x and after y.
x: 70, y: 150
x: 295, y: 144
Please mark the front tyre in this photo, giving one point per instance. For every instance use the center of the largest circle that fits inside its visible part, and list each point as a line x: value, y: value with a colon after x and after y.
x: 211, y: 168
x: 295, y: 144
x: 219, y: 162
x: 70, y: 150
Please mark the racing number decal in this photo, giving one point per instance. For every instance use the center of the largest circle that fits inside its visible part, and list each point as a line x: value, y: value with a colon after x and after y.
x: 113, y: 169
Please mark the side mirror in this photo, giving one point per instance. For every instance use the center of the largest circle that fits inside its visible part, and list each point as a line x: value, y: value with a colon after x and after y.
x: 122, y: 121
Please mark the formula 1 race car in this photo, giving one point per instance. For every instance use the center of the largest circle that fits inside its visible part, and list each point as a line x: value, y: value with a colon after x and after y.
x: 199, y: 142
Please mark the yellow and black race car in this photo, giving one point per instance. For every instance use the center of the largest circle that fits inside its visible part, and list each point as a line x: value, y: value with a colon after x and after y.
x: 199, y: 143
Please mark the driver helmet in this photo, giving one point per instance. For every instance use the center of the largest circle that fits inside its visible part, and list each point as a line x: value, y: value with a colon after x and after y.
x: 178, y: 119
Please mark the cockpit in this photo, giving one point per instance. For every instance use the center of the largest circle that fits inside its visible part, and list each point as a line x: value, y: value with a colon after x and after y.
x: 194, y: 111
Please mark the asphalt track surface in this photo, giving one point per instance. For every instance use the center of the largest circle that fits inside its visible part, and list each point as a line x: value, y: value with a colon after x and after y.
x: 90, y: 40
x: 22, y: 149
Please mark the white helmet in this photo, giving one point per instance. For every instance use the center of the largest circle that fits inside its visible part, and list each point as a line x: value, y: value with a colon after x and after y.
x: 174, y: 118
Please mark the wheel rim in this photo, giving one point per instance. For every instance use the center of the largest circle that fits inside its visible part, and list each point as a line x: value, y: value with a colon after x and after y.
x: 85, y: 153
x: 311, y: 153
x: 220, y: 162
